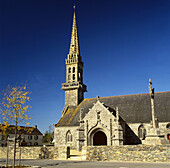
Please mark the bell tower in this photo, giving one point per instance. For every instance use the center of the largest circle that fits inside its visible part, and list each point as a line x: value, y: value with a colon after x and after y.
x: 74, y: 87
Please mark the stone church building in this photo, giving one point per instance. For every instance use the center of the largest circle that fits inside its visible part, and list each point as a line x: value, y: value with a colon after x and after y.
x: 115, y: 120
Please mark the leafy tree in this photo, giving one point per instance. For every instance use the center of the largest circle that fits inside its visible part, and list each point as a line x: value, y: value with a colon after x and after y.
x: 48, y: 136
x: 13, y: 109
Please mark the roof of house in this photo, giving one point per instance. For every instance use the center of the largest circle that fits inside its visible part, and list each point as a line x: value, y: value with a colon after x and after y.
x: 22, y: 130
x: 134, y: 108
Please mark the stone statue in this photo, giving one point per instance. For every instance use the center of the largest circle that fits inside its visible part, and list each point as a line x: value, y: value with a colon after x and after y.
x: 151, y: 90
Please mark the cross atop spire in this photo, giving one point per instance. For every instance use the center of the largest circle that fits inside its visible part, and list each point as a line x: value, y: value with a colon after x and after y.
x: 74, y: 45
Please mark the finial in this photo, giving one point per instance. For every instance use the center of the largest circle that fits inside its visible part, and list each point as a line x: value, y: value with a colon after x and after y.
x: 150, y: 81
x: 81, y: 111
x: 74, y: 7
x: 117, y: 113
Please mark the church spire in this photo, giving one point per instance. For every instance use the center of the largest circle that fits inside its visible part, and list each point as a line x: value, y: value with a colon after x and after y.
x: 74, y: 87
x: 74, y: 45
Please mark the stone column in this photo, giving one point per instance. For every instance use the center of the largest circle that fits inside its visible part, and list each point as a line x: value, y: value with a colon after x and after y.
x: 153, y: 136
x: 111, y: 132
x: 80, y: 132
x: 118, y: 131
x: 86, y: 133
x: 151, y: 92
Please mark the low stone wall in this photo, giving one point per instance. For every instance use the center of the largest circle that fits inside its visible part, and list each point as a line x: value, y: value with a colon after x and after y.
x: 35, y: 152
x: 144, y: 153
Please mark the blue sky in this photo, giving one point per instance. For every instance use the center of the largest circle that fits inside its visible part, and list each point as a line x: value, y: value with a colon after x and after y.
x: 123, y: 43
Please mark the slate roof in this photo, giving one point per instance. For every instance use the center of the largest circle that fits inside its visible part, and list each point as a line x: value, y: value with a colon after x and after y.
x: 132, y: 108
x: 22, y: 130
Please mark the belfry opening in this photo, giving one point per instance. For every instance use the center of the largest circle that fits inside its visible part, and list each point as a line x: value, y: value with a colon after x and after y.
x: 99, y: 139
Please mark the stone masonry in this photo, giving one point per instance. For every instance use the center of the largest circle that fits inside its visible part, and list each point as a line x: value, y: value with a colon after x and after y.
x: 35, y: 152
x: 142, y: 153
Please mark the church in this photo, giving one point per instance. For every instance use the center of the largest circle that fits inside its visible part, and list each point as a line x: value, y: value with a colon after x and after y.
x: 112, y: 121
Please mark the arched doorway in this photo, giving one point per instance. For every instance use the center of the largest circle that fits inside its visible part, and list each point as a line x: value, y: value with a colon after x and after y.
x: 99, y: 139
x: 68, y: 152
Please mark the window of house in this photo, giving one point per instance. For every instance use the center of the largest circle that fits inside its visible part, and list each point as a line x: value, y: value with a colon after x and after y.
x: 3, y: 145
x: 23, y: 143
x: 29, y: 144
x: 11, y: 136
x: 69, y: 137
x: 141, y: 132
x: 2, y: 137
x: 29, y: 137
x: 36, y: 137
x: 35, y: 144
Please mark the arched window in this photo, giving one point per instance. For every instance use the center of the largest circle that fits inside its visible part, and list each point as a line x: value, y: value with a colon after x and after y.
x: 69, y: 78
x: 69, y: 70
x: 168, y: 126
x: 36, y: 137
x: 29, y: 137
x: 73, y: 76
x: 141, y: 132
x: 69, y: 136
x: 73, y: 69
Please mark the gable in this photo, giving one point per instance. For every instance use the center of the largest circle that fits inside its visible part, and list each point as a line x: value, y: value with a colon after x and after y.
x: 98, y: 111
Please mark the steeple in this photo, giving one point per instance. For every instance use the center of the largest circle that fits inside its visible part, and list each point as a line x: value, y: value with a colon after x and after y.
x: 74, y: 87
x: 74, y: 45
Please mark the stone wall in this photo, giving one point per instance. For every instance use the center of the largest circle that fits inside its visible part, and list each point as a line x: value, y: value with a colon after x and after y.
x: 36, y: 152
x: 71, y: 97
x: 127, y: 153
x: 60, y: 134
x: 143, y: 153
